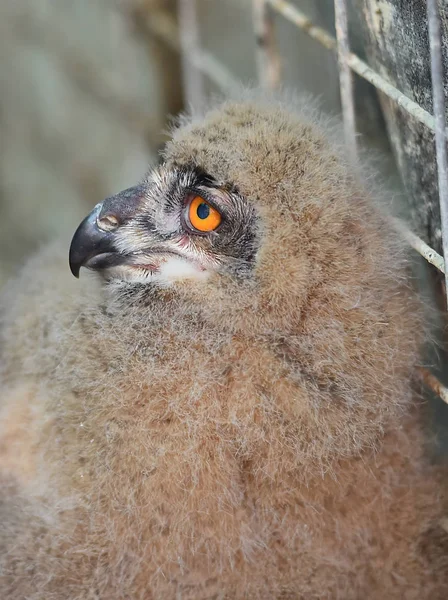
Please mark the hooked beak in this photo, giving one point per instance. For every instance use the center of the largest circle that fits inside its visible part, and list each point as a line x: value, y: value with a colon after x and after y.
x: 94, y: 243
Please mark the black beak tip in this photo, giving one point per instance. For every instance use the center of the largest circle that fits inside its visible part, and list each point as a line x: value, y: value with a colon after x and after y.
x: 84, y: 242
x: 75, y: 269
x: 92, y: 240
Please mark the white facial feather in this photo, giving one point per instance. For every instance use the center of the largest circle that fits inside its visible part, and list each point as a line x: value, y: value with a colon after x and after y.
x: 174, y: 269
x: 168, y: 271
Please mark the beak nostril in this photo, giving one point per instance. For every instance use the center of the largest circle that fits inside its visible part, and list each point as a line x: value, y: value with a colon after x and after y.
x: 108, y: 222
x: 93, y: 244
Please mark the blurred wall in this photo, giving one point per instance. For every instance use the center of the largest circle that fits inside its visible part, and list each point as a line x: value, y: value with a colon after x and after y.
x: 79, y: 105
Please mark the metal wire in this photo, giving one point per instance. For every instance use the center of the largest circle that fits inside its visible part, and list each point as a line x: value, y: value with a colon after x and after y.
x: 438, y: 95
x: 433, y: 383
x: 193, y: 82
x: 422, y: 247
x: 162, y: 26
x: 300, y: 20
x: 295, y: 16
x: 345, y: 77
x: 268, y: 59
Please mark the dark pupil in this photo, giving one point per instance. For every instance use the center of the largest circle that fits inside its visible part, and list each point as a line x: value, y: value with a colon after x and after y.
x: 203, y: 210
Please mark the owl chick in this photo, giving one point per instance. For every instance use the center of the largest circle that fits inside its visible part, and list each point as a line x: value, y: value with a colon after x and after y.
x: 222, y: 407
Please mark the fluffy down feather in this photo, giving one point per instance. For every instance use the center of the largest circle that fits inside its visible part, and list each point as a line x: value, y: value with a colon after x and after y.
x: 222, y: 438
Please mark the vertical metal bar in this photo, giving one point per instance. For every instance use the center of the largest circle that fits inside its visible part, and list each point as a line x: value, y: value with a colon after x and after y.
x: 193, y: 79
x: 268, y: 59
x: 345, y: 76
x: 438, y: 96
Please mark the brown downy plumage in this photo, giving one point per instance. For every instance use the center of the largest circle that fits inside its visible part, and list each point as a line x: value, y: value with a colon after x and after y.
x: 224, y: 408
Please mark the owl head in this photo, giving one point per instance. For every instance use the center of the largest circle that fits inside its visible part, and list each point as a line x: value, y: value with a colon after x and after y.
x: 252, y: 212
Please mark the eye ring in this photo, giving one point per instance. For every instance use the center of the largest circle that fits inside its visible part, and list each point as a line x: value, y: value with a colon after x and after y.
x: 202, y: 216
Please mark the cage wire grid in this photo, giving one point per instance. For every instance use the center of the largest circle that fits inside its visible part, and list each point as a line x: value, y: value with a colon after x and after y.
x: 197, y: 63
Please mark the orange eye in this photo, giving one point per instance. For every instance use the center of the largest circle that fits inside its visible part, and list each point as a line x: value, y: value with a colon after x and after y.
x: 203, y: 217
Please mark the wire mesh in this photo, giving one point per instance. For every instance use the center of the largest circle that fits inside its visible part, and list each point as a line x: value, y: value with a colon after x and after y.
x: 345, y: 77
x: 193, y: 82
x: 268, y: 66
x: 268, y: 60
x: 435, y: 44
x: 297, y: 18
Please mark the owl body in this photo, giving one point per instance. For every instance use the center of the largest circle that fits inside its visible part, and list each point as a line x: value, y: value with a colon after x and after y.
x: 241, y: 428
